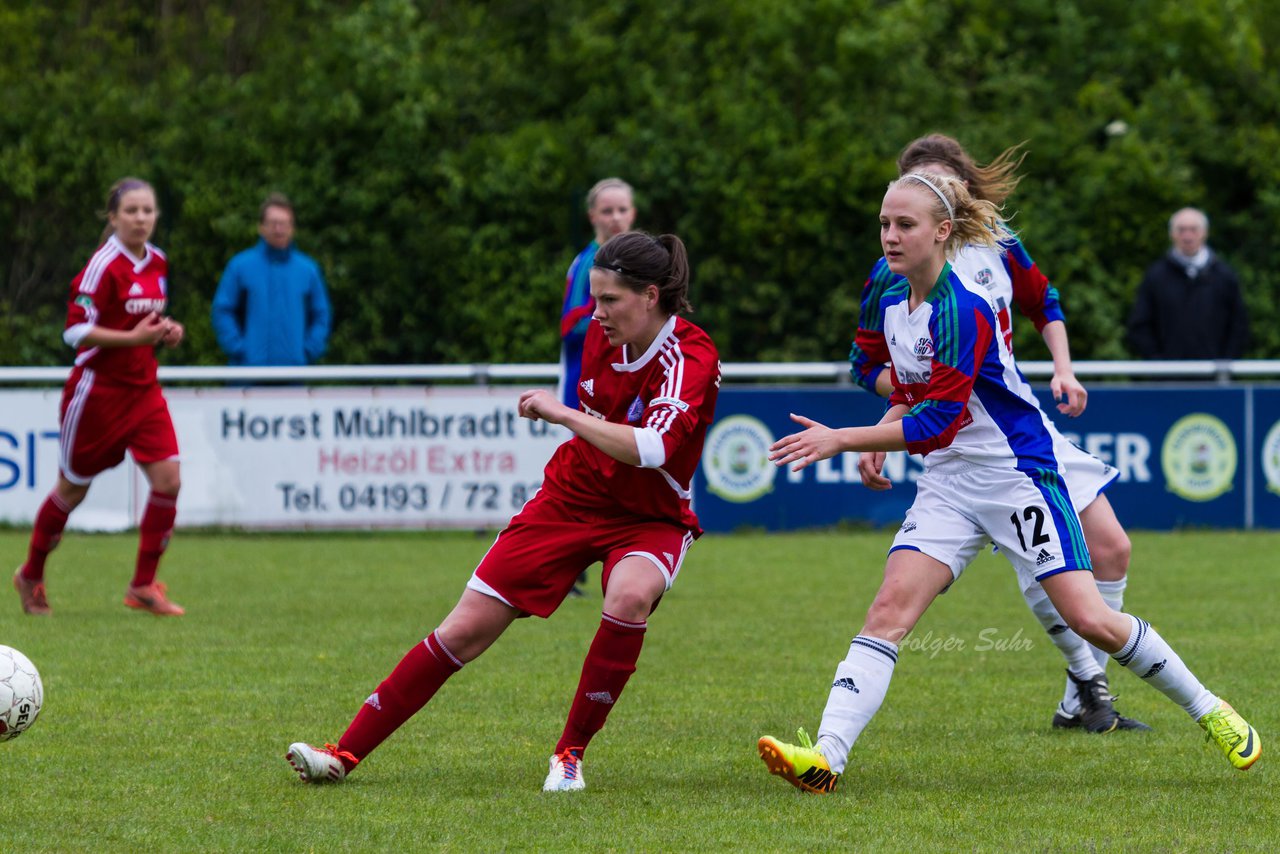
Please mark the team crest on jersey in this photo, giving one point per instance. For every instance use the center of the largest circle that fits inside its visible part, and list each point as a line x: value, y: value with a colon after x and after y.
x: 164, y: 286
x: 985, y: 277
x: 589, y: 386
x: 924, y: 347
x: 635, y: 410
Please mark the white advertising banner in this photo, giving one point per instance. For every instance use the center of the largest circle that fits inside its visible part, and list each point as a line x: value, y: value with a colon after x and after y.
x: 304, y: 458
x: 29, y: 467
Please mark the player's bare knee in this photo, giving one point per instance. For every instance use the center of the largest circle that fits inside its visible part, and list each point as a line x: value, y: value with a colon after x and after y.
x: 888, y: 620
x: 461, y: 640
x: 72, y: 495
x: 1099, y: 627
x: 632, y: 605
x: 1111, y: 557
x: 168, y: 484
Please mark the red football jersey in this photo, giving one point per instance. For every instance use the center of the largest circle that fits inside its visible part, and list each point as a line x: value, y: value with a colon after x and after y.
x: 669, y: 392
x: 115, y: 290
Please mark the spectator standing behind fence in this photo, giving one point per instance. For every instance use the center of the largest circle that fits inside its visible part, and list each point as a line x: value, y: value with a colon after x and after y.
x: 272, y: 307
x: 612, y: 212
x: 1189, y: 305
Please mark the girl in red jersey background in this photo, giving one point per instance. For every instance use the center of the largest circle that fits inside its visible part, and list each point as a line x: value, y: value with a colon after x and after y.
x: 617, y: 492
x: 112, y: 401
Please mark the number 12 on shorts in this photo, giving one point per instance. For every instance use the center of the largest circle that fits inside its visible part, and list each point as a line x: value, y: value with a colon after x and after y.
x: 1034, y: 517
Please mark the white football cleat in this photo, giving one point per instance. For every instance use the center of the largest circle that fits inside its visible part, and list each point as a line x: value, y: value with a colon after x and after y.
x: 318, y: 764
x: 566, y: 772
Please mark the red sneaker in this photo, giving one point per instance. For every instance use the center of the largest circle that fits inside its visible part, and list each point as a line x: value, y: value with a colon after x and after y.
x: 32, y: 595
x: 151, y: 598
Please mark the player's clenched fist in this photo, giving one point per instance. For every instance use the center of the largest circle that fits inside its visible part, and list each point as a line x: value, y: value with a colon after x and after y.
x: 538, y: 403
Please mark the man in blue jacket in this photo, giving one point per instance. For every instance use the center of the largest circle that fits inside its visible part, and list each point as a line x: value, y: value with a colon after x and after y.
x: 271, y: 307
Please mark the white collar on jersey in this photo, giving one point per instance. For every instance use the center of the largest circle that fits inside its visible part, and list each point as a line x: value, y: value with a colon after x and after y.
x: 138, y: 263
x: 668, y: 329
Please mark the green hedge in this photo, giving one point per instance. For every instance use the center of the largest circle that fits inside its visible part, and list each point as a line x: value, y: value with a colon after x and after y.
x: 438, y: 152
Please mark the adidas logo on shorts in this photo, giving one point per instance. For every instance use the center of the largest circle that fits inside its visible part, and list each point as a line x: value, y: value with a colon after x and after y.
x: 1044, y: 557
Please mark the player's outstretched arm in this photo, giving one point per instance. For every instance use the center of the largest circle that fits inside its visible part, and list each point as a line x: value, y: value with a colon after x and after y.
x: 820, y: 442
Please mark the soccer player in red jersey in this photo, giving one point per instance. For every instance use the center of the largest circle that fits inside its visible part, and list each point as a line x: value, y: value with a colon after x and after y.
x: 617, y: 492
x: 112, y: 402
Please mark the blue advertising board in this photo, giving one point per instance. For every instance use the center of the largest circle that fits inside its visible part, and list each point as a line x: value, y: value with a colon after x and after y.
x: 1184, y: 455
x: 1266, y: 457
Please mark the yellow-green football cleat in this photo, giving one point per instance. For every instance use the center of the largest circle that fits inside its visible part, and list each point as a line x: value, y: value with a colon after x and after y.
x: 802, y: 765
x: 1232, y: 733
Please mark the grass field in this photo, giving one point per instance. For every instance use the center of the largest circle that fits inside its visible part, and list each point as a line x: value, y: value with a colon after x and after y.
x: 168, y: 734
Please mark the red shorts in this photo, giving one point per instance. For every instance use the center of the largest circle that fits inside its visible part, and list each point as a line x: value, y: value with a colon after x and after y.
x: 100, y: 422
x: 537, y: 558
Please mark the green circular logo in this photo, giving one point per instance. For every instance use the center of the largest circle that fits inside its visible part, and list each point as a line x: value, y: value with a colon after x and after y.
x: 736, y: 459
x: 1271, y: 458
x: 1199, y: 457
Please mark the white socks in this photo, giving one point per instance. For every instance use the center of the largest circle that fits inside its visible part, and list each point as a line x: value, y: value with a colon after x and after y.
x: 1081, y: 657
x: 1147, y: 656
x: 861, y: 682
x: 1113, y: 594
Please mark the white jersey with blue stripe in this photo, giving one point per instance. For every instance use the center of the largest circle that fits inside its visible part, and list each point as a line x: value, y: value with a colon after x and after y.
x: 953, y: 367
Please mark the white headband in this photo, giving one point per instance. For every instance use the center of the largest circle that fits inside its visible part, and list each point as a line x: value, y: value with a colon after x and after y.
x: 951, y: 212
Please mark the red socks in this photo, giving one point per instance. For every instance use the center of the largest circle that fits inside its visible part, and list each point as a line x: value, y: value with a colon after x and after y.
x: 50, y: 520
x: 414, y: 681
x: 424, y: 668
x: 153, y: 535
x: 609, y: 664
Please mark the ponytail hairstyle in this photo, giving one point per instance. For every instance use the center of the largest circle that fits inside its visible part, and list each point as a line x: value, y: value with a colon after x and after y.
x: 994, y: 182
x: 114, y: 195
x: 973, y: 220
x: 639, y: 259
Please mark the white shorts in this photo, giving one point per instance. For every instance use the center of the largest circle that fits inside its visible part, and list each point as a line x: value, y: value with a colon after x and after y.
x: 1085, y: 474
x: 1029, y: 516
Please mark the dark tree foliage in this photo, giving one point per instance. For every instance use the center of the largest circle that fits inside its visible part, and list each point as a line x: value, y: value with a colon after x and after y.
x: 438, y: 152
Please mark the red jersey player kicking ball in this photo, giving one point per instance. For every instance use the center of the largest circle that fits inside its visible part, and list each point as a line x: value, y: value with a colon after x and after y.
x: 617, y: 492
x: 112, y: 401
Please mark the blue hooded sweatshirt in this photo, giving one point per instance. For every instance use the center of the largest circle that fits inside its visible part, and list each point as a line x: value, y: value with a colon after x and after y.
x: 271, y: 308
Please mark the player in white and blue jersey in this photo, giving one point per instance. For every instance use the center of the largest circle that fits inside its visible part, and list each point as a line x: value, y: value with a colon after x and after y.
x: 1012, y: 279
x: 991, y: 475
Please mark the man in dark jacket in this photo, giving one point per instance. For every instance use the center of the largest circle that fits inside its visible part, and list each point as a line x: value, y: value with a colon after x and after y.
x: 1189, y: 304
x: 272, y: 307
